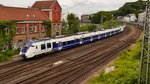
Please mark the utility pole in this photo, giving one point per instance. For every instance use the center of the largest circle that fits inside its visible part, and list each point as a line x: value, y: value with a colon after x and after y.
x: 144, y: 76
x: 102, y: 17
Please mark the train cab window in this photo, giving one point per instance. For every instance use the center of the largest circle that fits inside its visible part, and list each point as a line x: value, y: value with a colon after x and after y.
x: 54, y: 44
x: 48, y: 45
x: 43, y: 47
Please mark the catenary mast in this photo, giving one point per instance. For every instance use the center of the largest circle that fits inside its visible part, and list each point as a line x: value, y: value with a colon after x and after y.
x: 144, y: 76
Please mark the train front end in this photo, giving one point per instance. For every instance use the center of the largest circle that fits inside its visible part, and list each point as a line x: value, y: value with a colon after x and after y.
x: 25, y: 50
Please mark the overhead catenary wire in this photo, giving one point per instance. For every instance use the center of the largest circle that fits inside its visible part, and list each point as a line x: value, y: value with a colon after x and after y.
x: 75, y: 5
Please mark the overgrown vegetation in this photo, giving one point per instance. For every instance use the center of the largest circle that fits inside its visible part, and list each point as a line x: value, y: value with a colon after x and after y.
x: 7, y: 32
x: 126, y: 68
x: 129, y: 8
x: 102, y: 15
x: 72, y: 24
x: 88, y: 27
x: 48, y: 27
x: 5, y: 56
x: 111, y: 24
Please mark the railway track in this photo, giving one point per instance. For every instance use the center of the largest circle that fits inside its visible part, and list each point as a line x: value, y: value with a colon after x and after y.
x: 75, y: 67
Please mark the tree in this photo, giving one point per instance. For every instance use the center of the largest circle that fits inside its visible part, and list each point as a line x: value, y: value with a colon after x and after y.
x: 97, y: 18
x: 73, y: 23
x: 131, y: 7
x: 48, y: 27
x: 111, y: 24
x: 88, y: 27
x: 7, y: 32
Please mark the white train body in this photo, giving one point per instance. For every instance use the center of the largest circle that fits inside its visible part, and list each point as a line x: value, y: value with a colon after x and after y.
x: 37, y: 47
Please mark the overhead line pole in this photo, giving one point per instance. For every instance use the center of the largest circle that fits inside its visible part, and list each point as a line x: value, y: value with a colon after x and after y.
x: 144, y: 76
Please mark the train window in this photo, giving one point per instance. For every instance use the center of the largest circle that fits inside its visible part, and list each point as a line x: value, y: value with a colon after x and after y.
x: 36, y: 47
x: 68, y: 42
x: 48, y: 45
x: 72, y: 41
x: 77, y: 40
x: 43, y: 47
x: 93, y: 36
x: 54, y: 44
x: 84, y: 39
x: 64, y: 43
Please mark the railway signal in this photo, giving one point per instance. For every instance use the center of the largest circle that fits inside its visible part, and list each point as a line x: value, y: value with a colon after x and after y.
x: 144, y: 76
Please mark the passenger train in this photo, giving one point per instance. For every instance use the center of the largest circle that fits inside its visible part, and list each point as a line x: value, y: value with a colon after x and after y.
x: 41, y: 46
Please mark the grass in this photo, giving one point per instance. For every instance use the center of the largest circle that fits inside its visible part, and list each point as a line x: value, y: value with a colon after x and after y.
x: 126, y: 68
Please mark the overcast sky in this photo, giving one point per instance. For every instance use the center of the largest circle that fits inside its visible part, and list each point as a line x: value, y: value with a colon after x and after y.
x: 75, y: 6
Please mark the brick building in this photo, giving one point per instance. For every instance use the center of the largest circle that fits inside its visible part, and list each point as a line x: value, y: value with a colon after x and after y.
x: 30, y: 20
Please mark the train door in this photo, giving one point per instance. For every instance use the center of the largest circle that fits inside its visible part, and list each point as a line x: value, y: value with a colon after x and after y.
x: 60, y: 45
x: 55, y: 46
x: 49, y: 46
x: 81, y: 40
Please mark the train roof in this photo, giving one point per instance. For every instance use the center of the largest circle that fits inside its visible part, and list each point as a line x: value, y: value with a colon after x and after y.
x: 77, y: 35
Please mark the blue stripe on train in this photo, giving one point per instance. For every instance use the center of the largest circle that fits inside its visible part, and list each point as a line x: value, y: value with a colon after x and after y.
x: 70, y: 46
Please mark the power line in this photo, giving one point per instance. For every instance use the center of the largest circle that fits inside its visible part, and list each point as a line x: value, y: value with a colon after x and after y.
x: 75, y: 5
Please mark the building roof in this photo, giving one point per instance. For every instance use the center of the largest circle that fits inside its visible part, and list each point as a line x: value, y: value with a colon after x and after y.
x: 13, y: 13
x: 43, y: 4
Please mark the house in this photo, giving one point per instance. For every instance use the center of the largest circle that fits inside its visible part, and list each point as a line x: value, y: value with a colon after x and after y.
x: 30, y: 20
x: 132, y: 17
x: 85, y: 18
x: 141, y: 17
x: 127, y: 18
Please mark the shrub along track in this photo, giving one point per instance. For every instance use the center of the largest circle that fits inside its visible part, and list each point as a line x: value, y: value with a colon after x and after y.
x: 78, y: 63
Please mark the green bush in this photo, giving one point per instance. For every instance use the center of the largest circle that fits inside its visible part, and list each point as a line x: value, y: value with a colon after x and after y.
x: 126, y: 68
x: 111, y: 24
x: 5, y: 56
x: 88, y: 27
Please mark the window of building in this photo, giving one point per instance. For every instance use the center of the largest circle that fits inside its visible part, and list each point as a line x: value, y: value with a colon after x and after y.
x: 35, y: 28
x: 17, y: 29
x: 48, y: 45
x: 58, y: 26
x: 5, y: 46
x: 54, y: 27
x: 20, y: 42
x: 31, y: 28
x: 43, y: 28
x: 55, y: 7
x: 23, y: 28
x: 7, y: 30
x: 43, y: 47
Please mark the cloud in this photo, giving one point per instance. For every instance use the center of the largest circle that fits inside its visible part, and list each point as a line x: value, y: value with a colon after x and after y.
x: 74, y: 6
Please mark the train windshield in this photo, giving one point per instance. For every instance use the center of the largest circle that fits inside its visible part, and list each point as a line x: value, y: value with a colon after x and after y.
x: 26, y: 46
